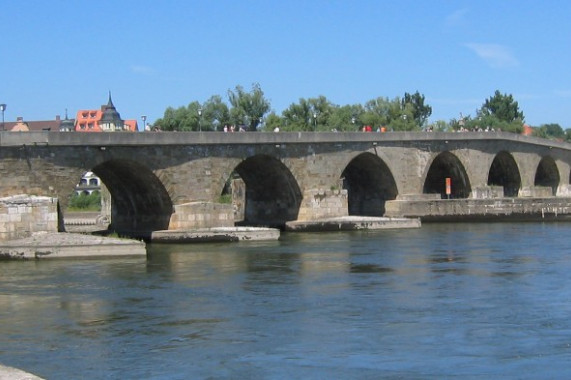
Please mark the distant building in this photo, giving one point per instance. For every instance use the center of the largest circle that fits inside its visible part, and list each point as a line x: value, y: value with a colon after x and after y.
x: 42, y: 125
x: 106, y: 119
x: 88, y: 184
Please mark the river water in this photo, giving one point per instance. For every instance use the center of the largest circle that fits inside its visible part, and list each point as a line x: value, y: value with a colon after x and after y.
x: 443, y: 301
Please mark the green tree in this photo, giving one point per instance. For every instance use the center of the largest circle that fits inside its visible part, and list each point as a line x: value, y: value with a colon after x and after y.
x: 499, y: 113
x: 168, y: 121
x: 550, y: 131
x: 273, y: 121
x: 346, y: 118
x: 377, y: 112
x: 298, y: 116
x: 311, y: 114
x: 85, y: 202
x: 402, y: 118
x: 321, y: 111
x: 440, y: 126
x: 180, y: 119
x: 215, y: 114
x: 420, y: 111
x: 248, y: 108
x: 503, y: 107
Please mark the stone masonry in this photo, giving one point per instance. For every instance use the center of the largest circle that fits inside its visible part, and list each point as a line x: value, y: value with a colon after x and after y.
x: 162, y: 181
x: 21, y: 216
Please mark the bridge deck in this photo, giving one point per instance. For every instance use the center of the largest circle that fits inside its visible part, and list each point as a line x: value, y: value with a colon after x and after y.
x: 8, y: 139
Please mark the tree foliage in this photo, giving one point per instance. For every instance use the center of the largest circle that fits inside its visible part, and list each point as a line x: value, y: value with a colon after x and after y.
x: 248, y: 108
x: 409, y: 113
x: 503, y: 107
x: 85, y: 202
x: 500, y: 112
x: 215, y: 114
x: 550, y: 131
x: 420, y: 111
x: 181, y: 119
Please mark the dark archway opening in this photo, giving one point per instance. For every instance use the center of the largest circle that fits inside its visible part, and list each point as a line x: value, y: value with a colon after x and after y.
x: 369, y: 184
x: 547, y: 174
x: 139, y: 202
x: 504, y: 172
x: 447, y: 165
x: 272, y: 195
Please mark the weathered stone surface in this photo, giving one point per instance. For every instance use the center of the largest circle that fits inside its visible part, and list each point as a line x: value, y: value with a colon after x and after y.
x: 22, y: 215
x: 11, y: 373
x: 350, y: 223
x: 153, y: 178
x: 466, y: 209
x: 196, y: 215
x: 215, y: 235
x: 43, y: 246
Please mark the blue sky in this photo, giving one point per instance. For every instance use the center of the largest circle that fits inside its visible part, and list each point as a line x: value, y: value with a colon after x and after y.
x: 59, y: 55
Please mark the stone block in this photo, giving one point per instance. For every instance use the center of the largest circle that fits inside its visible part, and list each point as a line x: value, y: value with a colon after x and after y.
x: 487, y: 192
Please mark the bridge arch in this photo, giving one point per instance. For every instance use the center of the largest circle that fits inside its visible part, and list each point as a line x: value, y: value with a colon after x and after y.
x: 140, y: 203
x: 447, y: 165
x: 273, y: 196
x: 369, y: 184
x: 504, y: 172
x: 547, y: 174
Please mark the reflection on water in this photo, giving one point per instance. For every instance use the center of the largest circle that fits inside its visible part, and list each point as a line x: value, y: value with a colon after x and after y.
x: 465, y: 300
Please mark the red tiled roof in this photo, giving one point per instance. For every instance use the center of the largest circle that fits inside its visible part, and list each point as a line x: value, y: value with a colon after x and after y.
x: 132, y: 125
x: 43, y: 125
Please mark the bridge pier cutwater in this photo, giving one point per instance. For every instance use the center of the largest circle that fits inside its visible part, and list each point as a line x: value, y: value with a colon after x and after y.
x: 175, y: 180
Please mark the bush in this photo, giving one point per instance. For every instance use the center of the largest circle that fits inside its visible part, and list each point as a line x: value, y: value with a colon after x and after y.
x: 85, y: 202
x: 225, y: 198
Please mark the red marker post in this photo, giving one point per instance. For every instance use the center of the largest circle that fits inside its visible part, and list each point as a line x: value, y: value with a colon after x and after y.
x: 448, y: 187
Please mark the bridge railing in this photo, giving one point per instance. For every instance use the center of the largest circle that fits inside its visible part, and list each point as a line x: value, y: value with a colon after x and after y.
x: 11, y: 139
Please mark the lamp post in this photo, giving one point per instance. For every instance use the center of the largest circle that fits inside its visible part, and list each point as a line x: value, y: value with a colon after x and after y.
x: 144, y: 118
x: 314, y: 121
x: 199, y: 119
x: 3, y: 108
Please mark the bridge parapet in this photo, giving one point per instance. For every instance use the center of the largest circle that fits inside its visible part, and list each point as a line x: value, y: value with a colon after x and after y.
x: 8, y: 139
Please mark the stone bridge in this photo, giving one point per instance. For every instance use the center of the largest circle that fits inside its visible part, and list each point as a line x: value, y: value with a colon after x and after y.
x: 174, y: 180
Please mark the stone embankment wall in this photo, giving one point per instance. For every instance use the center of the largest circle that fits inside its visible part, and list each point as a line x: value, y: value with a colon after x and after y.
x: 23, y: 215
x: 480, y: 209
x: 322, y: 203
x: 201, y: 215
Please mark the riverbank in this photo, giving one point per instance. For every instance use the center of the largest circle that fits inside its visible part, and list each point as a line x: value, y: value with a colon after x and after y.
x: 69, y: 245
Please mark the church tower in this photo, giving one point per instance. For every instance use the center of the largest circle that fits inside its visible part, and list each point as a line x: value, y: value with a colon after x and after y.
x: 110, y: 119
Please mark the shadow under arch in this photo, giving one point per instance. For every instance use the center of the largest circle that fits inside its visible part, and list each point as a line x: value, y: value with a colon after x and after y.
x: 447, y: 165
x: 273, y: 196
x: 369, y: 184
x: 504, y: 172
x: 547, y: 174
x: 140, y: 203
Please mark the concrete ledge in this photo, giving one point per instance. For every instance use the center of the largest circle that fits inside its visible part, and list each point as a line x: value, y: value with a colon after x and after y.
x: 16, y: 374
x: 350, y: 223
x: 215, y: 234
x: 68, y: 245
x: 481, y: 209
